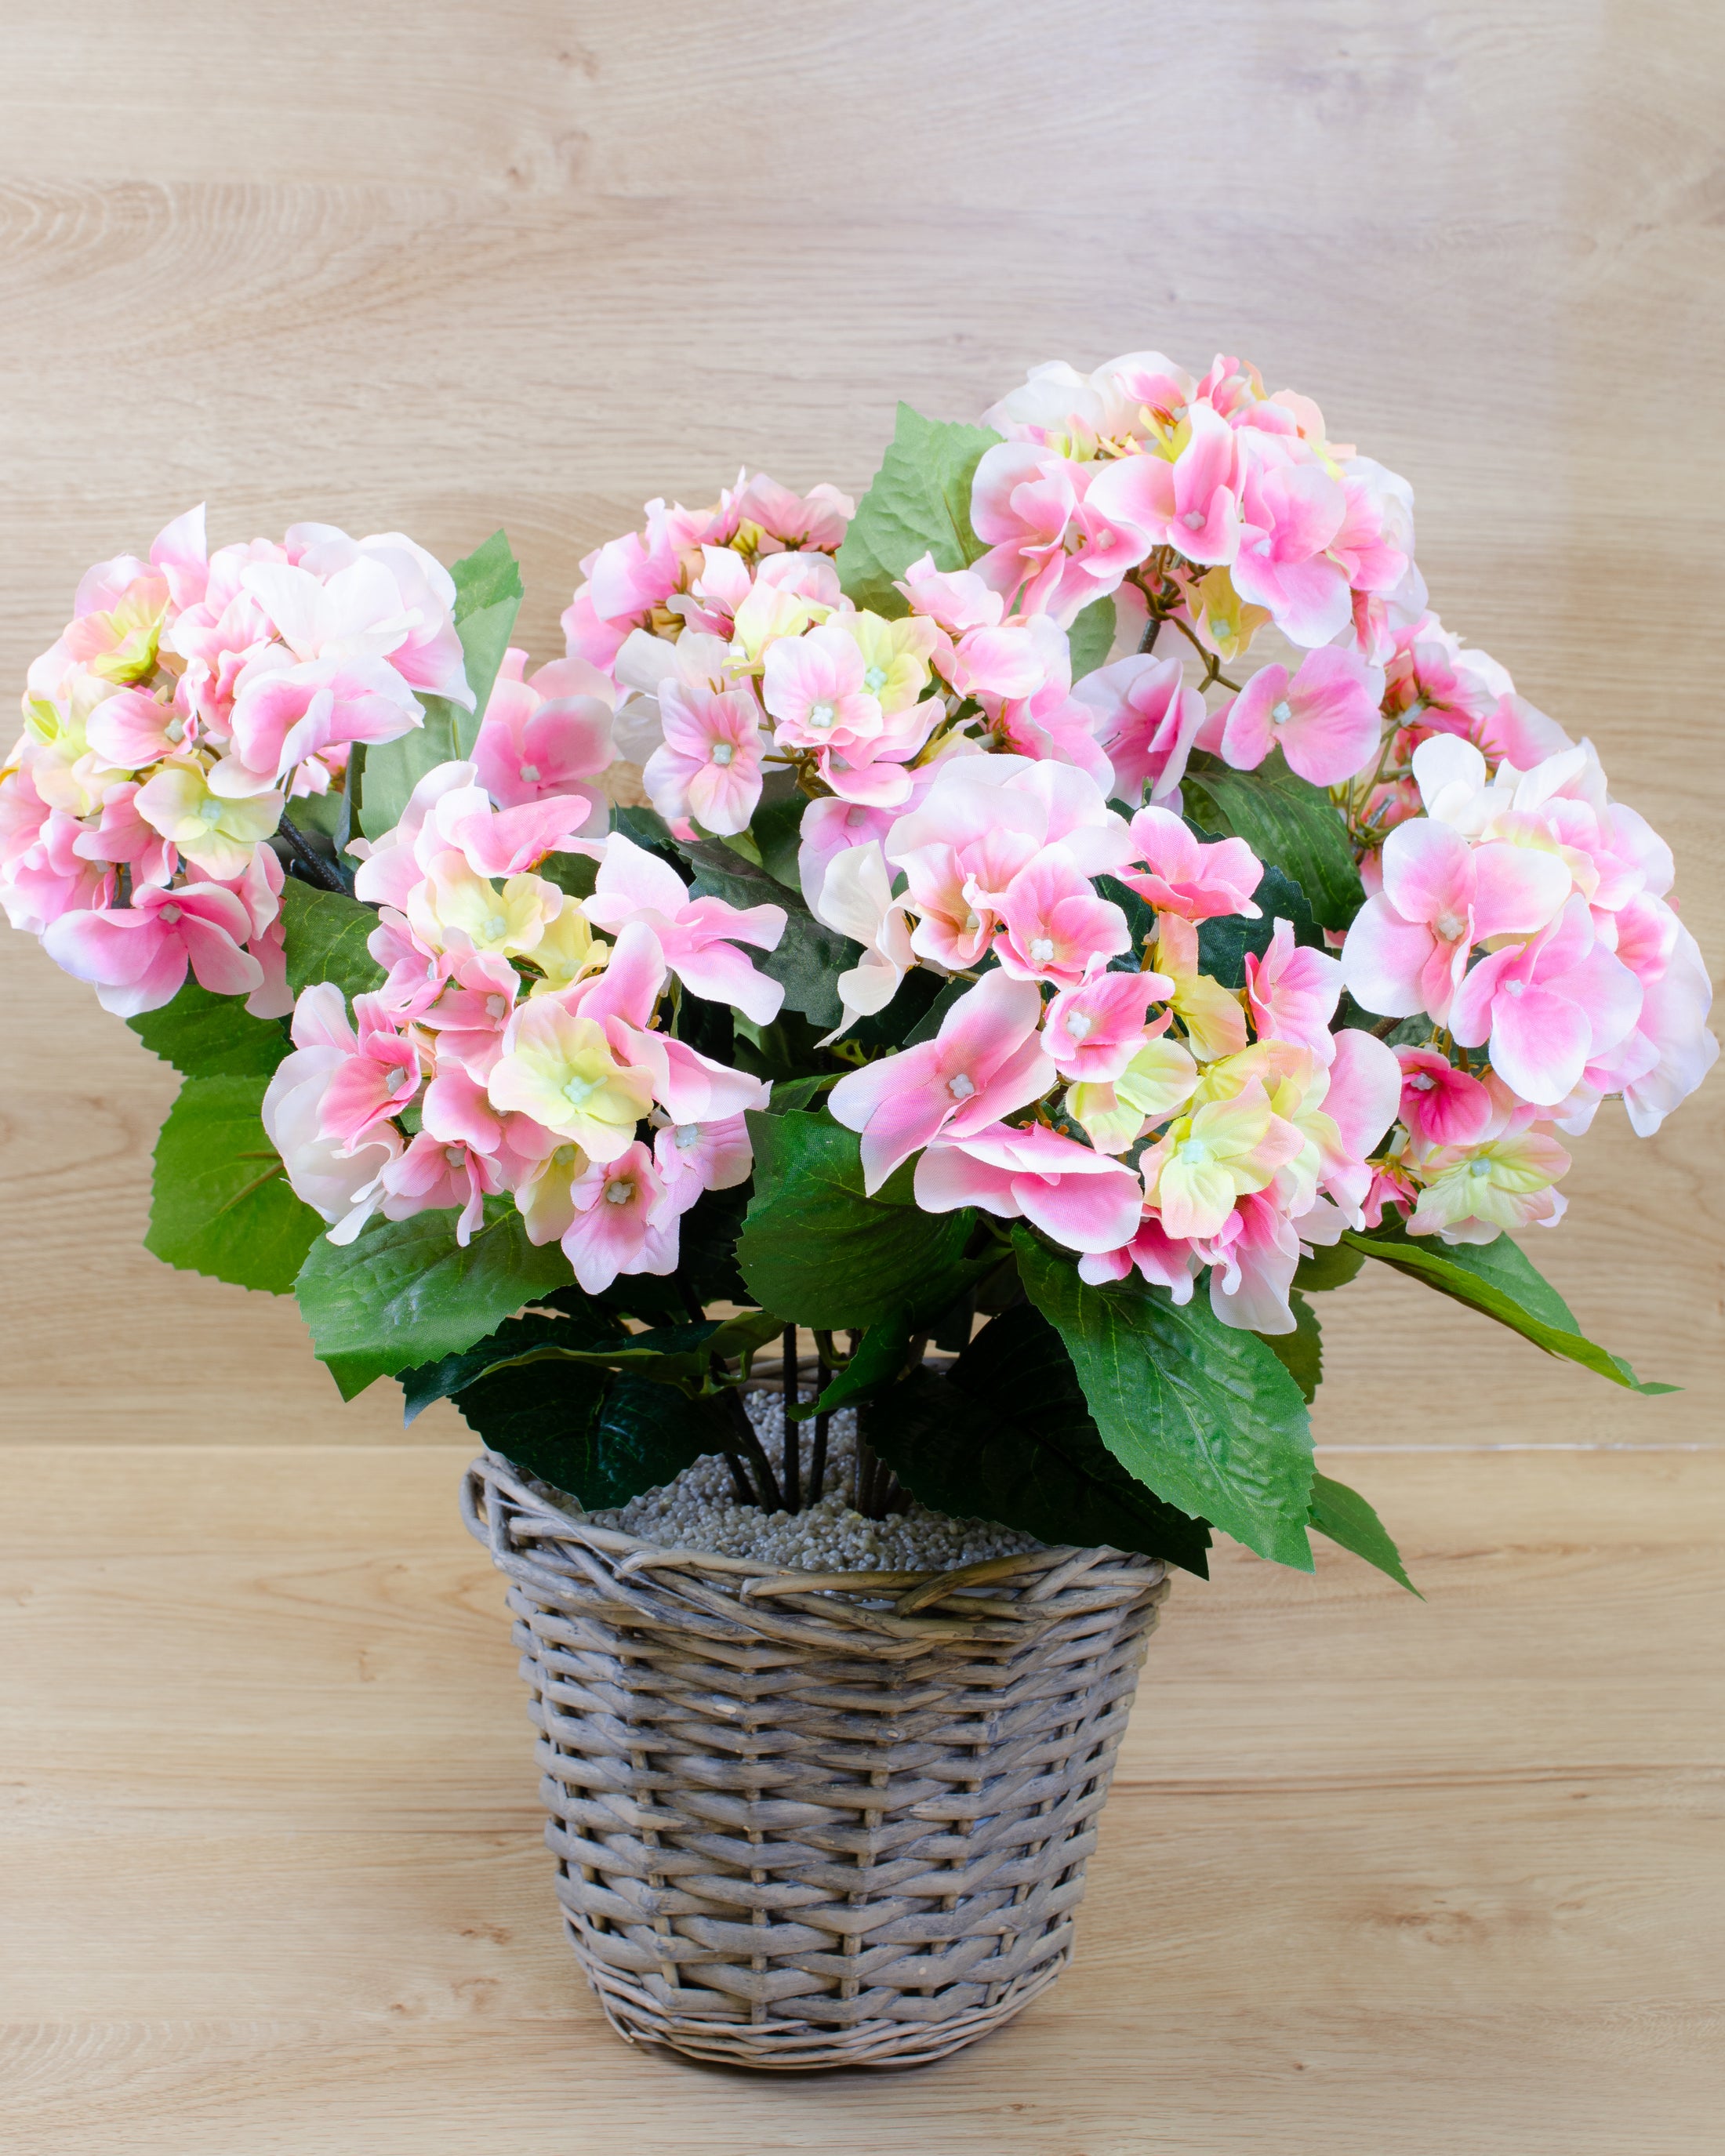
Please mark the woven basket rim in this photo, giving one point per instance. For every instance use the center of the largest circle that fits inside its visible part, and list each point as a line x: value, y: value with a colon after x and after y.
x: 1030, y: 1587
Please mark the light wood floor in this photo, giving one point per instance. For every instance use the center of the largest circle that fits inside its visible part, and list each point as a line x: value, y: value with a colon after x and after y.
x: 1379, y: 1879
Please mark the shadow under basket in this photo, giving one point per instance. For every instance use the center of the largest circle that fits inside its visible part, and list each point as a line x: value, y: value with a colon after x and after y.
x: 807, y: 1821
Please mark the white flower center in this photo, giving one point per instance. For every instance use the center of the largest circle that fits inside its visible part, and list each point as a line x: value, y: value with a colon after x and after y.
x: 563, y: 1155
x: 1422, y: 1081
x: 1080, y: 1026
x: 496, y: 1006
x: 1281, y: 712
x: 722, y: 752
x: 961, y: 1086
x: 856, y: 819
x: 454, y: 1155
x: 619, y: 1191
x: 579, y: 1090
x: 685, y: 1134
x: 973, y: 921
x: 1479, y: 1167
x: 529, y: 772
x: 1450, y: 927
x: 497, y: 926
x: 1194, y: 520
x: 402, y: 1081
x: 1104, y: 539
x: 175, y: 729
x: 170, y: 914
x: 1515, y: 987
x: 1262, y: 547
x: 1041, y: 950
x: 209, y: 812
x: 822, y: 716
x: 1195, y: 1152
x: 875, y: 679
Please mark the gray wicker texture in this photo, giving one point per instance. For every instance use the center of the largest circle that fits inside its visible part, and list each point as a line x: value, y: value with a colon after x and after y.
x: 815, y: 1820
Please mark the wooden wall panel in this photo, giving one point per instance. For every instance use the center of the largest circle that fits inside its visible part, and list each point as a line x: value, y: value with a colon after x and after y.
x: 437, y: 268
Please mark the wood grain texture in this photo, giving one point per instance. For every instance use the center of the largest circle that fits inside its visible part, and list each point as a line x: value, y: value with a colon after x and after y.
x: 1375, y: 1878
x: 387, y: 267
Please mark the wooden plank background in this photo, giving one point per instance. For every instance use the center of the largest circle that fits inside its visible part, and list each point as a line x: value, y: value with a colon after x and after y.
x: 1378, y: 1879
x: 397, y: 265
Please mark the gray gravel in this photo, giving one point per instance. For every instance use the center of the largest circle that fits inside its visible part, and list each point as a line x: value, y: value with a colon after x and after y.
x: 700, y: 1510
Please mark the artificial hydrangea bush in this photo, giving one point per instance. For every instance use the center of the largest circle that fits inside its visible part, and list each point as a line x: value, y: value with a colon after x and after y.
x: 1008, y: 958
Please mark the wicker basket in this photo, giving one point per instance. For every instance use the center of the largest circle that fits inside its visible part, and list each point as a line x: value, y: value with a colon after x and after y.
x: 810, y: 1821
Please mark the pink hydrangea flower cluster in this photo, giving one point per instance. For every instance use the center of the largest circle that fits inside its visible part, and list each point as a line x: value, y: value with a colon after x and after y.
x: 191, y: 695
x: 513, y: 1050
x: 1173, y: 1123
x: 1207, y: 501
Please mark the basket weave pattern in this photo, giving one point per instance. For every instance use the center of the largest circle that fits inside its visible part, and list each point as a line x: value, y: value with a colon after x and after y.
x: 809, y: 1820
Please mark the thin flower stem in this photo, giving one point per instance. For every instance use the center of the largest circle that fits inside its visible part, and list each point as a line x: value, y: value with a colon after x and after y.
x: 818, y: 1450
x: 317, y: 870
x: 791, y: 1469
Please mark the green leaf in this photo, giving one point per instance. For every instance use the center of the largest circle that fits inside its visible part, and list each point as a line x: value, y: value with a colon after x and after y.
x: 818, y: 1251
x: 1345, y: 1516
x: 450, y: 1374
x: 1301, y: 1353
x: 1092, y: 638
x: 405, y: 1292
x: 1203, y: 1415
x: 902, y: 1015
x: 931, y: 1020
x: 601, y: 1441
x: 206, y: 1036
x: 1224, y: 942
x: 488, y: 594
x: 776, y: 826
x: 878, y: 1360
x: 918, y: 504
x: 790, y: 1093
x: 1016, y: 1370
x: 221, y: 1203
x: 1330, y: 1266
x: 326, y: 932
x: 809, y: 957
x: 1046, y: 1474
x: 1500, y: 1279
x: 1288, y: 822
x: 668, y: 1354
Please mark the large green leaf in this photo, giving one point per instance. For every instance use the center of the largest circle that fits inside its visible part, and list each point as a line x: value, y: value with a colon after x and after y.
x: 1092, y: 638
x: 1286, y: 821
x: 918, y: 504
x: 427, y: 1382
x: 777, y: 830
x: 1224, y: 942
x: 602, y: 1439
x: 1345, y: 1516
x: 816, y: 1250
x: 488, y: 595
x: 1054, y: 1480
x: 405, y: 1292
x: 1301, y: 1353
x: 669, y: 1354
x: 326, y: 933
x: 1203, y: 1415
x: 222, y: 1202
x: 809, y: 957
x: 206, y: 1036
x: 1049, y: 1450
x: 1500, y: 1279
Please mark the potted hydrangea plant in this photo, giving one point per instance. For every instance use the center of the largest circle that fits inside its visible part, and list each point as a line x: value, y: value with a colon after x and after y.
x: 872, y: 1192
